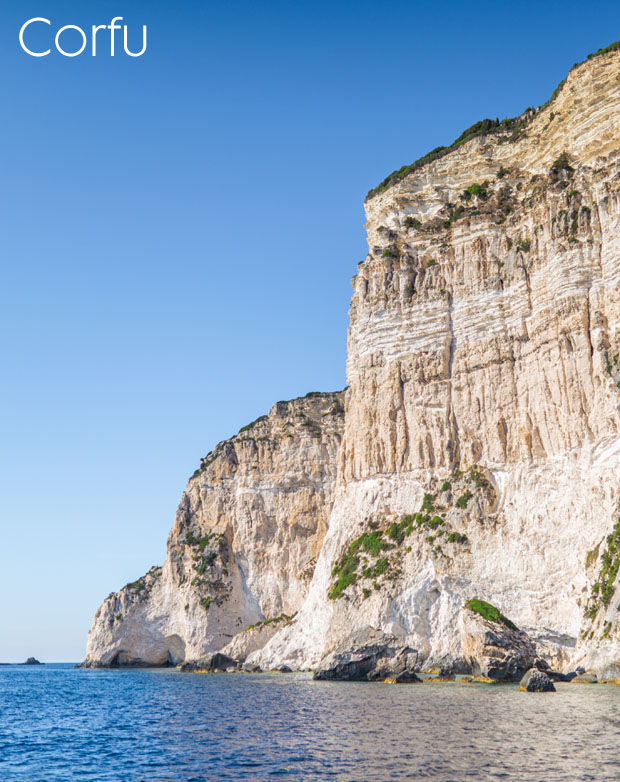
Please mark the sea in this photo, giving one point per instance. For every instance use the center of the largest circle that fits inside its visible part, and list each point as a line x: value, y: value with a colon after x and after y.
x: 60, y: 724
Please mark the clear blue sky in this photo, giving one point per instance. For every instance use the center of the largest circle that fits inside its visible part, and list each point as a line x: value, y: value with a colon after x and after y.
x: 178, y: 234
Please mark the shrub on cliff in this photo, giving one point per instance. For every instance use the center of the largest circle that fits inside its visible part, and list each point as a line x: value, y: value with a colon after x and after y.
x: 489, y: 612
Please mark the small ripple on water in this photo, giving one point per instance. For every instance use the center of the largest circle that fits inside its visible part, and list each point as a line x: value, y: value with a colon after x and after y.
x: 58, y: 724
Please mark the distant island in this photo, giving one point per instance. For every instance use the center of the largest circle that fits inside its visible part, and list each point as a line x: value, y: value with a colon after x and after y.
x: 29, y: 661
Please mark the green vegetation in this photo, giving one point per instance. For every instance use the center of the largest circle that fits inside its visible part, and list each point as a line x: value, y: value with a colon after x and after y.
x: 249, y: 426
x: 208, y: 460
x: 454, y: 212
x: 432, y: 262
x: 489, y: 612
x: 381, y: 566
x: 345, y: 571
x: 478, y: 478
x: 371, y: 543
x: 119, y: 617
x: 398, y: 531
x: 198, y: 542
x: 205, y: 548
x: 479, y: 191
x: 383, y: 545
x: 206, y: 602
x: 562, y: 163
x: 265, y: 622
x: 412, y: 222
x: 501, y: 173
x: 482, y: 128
x: 346, y: 575
x: 604, y: 587
x: 463, y: 500
x: 613, y: 47
x: 525, y: 245
x: 206, y: 561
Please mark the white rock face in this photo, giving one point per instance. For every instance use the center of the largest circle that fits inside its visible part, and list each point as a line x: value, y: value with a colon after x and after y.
x: 247, y: 532
x: 481, y: 447
x: 487, y: 333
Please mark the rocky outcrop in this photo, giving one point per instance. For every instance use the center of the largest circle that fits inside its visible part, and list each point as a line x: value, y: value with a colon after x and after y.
x: 495, y: 649
x: 585, y: 678
x: 211, y: 663
x: 536, y: 681
x: 369, y: 655
x: 247, y: 533
x: 480, y: 453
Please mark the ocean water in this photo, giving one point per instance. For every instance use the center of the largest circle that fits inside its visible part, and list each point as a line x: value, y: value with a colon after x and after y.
x: 60, y: 724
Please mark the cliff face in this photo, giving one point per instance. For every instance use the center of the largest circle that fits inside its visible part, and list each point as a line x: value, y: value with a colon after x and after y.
x: 247, y: 532
x: 481, y: 448
x: 484, y: 339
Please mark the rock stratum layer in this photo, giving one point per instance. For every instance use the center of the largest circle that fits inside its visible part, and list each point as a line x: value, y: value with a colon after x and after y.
x: 481, y: 446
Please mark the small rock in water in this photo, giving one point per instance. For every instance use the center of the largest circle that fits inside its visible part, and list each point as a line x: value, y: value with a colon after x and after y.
x: 536, y: 681
x: 585, y: 678
x: 33, y: 661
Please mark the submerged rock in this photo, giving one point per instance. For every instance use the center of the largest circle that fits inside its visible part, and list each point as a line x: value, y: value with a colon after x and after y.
x: 536, y: 681
x: 369, y: 655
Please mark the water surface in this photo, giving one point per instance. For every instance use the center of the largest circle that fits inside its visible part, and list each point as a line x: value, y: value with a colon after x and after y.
x: 60, y: 724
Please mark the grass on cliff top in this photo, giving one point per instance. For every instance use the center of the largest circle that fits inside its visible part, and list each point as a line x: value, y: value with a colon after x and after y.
x: 489, y: 612
x: 483, y: 127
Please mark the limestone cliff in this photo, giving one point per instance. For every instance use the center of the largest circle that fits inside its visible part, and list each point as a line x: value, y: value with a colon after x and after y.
x: 483, y: 352
x: 247, y: 532
x: 481, y: 449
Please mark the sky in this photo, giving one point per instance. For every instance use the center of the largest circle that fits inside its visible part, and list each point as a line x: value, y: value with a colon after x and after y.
x: 178, y: 233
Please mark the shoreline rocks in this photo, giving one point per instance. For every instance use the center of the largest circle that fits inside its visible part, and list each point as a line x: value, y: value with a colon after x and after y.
x: 369, y: 655
x: 585, y: 678
x: 496, y: 649
x: 210, y: 664
x: 536, y: 681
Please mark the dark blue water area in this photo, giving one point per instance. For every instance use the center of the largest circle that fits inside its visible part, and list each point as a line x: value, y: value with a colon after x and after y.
x: 58, y: 723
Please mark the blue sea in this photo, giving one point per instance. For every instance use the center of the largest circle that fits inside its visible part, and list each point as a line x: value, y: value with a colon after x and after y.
x: 58, y: 724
